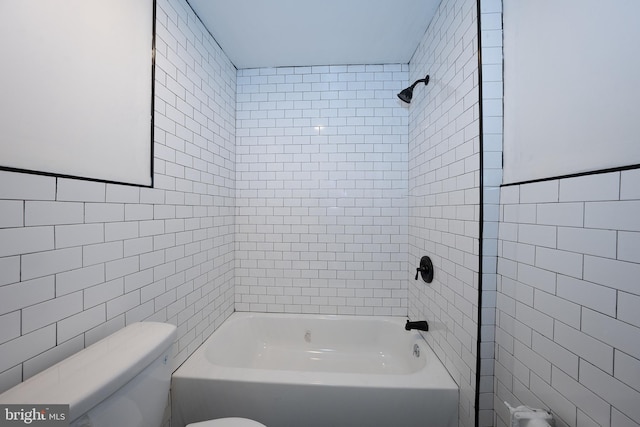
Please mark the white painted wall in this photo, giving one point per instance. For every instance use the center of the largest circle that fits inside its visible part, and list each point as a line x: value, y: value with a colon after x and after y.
x: 78, y: 77
x: 571, y: 91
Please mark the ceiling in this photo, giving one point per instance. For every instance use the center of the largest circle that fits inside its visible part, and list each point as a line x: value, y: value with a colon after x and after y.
x: 276, y: 33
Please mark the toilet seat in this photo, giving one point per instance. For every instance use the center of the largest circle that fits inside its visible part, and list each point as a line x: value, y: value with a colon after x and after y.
x: 227, y: 422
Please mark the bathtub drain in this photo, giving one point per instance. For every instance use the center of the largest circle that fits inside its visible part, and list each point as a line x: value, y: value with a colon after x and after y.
x: 416, y: 350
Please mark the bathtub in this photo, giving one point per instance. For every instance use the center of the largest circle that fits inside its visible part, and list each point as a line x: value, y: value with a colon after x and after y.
x: 315, y: 371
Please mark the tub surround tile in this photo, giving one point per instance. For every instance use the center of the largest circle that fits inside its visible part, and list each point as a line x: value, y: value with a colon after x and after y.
x: 321, y: 181
x: 444, y: 177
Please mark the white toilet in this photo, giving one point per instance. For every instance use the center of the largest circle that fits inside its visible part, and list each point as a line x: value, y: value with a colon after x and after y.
x: 122, y: 380
x: 227, y: 422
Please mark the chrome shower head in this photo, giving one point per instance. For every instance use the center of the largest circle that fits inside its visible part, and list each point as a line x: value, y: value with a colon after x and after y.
x: 406, y: 94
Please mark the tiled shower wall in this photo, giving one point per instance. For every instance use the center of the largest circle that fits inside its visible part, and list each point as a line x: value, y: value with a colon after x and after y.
x: 568, y: 324
x: 444, y: 191
x: 80, y: 259
x: 491, y: 53
x: 321, y: 175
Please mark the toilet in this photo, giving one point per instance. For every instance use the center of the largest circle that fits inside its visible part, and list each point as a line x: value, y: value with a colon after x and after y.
x: 122, y: 380
x: 227, y: 422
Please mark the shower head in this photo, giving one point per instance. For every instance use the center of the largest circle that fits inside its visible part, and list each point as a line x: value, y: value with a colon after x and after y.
x: 407, y: 93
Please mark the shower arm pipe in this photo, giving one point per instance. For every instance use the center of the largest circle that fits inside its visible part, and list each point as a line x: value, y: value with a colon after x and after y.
x: 425, y: 81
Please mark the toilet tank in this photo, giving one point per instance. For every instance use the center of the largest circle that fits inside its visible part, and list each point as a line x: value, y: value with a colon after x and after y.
x: 122, y: 380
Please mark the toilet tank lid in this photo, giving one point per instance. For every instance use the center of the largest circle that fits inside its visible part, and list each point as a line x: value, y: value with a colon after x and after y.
x: 88, y: 377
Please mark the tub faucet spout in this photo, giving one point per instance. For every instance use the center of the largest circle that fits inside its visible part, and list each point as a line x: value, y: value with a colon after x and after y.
x: 420, y: 325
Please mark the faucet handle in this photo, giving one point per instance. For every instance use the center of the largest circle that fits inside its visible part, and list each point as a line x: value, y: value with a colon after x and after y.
x: 425, y: 269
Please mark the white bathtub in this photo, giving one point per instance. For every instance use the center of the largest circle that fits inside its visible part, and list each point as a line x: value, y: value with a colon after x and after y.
x: 306, y: 371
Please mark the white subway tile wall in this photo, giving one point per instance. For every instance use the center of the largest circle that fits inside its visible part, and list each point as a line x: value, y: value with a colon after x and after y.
x: 321, y: 190
x: 81, y: 259
x: 572, y: 344
x: 491, y: 51
x: 333, y: 191
x: 444, y: 193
